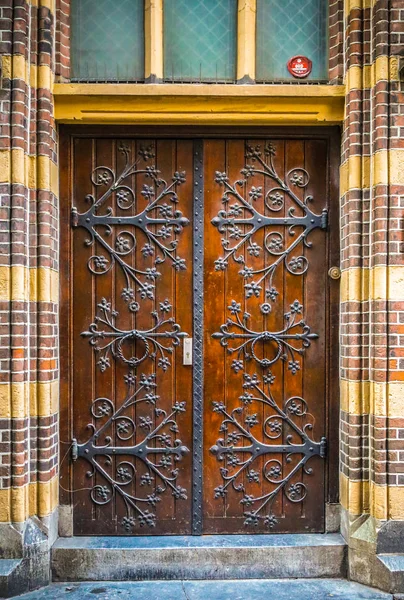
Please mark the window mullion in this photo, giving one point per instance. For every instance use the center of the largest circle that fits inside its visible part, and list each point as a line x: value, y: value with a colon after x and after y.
x: 246, y: 36
x: 153, y: 41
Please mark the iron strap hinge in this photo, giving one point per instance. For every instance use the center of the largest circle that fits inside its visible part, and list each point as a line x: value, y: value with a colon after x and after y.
x: 74, y: 450
x: 324, y: 218
x: 74, y: 217
x: 323, y: 447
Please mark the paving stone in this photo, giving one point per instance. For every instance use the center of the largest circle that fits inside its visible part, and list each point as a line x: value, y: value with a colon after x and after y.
x: 252, y: 589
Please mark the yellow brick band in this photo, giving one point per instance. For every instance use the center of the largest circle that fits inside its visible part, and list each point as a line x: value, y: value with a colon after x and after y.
x: 246, y: 39
x: 358, y: 78
x: 355, y: 396
x: 353, y: 4
x: 354, y: 285
x: 34, y: 172
x: 385, y: 68
x: 19, y: 283
x: 354, y: 174
x: 387, y: 399
x: 44, y: 398
x: 14, y: 283
x: 5, y: 515
x: 44, y: 285
x: 39, y: 498
x: 51, y: 4
x: 44, y: 497
x: 16, y: 67
x: 14, y: 400
x: 354, y: 495
x: 48, y: 175
x: 378, y: 283
x: 382, y: 168
x: 388, y: 167
x: 20, y: 399
x: 382, y: 399
x: 387, y: 502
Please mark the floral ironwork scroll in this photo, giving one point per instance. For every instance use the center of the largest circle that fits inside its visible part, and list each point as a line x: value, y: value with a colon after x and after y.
x: 248, y: 439
x: 240, y: 221
x: 159, y: 449
x: 109, y: 340
x: 121, y: 437
x: 160, y: 222
x: 265, y: 441
x: 283, y: 342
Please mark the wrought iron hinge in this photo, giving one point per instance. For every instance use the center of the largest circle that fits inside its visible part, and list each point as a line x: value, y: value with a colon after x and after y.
x: 75, y: 450
x: 323, y: 447
x: 324, y: 218
x: 74, y: 217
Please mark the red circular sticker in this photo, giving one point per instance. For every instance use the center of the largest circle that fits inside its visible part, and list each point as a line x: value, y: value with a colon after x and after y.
x: 299, y: 66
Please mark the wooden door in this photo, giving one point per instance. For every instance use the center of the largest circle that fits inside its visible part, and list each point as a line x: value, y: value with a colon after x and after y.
x: 131, y: 409
x: 267, y: 332
x: 226, y: 241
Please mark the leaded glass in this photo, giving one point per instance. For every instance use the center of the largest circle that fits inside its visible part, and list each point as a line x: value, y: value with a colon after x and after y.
x: 107, y: 40
x: 286, y: 28
x: 200, y: 40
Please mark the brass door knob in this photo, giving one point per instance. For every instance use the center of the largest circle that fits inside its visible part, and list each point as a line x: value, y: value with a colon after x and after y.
x: 334, y: 273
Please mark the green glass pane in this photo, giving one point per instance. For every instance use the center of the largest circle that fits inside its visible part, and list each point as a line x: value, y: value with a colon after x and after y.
x: 286, y: 28
x: 107, y: 40
x: 200, y: 40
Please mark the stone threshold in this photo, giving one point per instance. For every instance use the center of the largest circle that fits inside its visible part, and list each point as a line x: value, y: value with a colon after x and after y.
x: 199, y: 557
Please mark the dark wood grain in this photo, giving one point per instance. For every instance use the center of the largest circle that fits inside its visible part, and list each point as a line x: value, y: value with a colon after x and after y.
x: 315, y: 150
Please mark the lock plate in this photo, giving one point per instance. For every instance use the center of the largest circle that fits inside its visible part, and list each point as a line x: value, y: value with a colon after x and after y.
x: 187, y: 348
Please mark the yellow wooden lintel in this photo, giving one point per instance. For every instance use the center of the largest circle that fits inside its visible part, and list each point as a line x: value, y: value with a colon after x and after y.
x: 198, y: 104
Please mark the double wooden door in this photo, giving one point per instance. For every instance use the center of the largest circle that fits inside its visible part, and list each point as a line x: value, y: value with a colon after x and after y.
x: 199, y: 332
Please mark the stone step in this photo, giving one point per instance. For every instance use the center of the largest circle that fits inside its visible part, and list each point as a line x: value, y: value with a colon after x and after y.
x: 199, y: 557
x: 394, y: 565
x: 252, y: 589
x: 9, y: 572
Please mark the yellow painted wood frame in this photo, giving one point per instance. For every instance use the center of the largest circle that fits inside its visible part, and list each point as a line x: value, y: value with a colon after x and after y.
x: 204, y: 104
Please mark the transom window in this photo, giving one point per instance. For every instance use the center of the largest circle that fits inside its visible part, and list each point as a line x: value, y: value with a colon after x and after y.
x: 200, y: 38
x: 107, y: 40
x: 196, y: 40
x: 288, y: 28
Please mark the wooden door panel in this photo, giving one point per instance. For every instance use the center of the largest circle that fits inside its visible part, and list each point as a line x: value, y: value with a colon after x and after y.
x: 265, y: 338
x: 130, y: 388
x: 152, y: 452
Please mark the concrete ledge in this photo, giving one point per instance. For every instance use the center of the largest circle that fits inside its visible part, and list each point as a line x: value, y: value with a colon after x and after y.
x: 205, y: 557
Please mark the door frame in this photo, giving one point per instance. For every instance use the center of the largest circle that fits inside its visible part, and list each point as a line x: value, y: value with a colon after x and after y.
x: 66, y: 134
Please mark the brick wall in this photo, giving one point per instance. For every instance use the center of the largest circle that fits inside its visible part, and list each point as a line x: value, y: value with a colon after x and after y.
x: 28, y: 267
x: 372, y: 307
x: 62, y: 66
